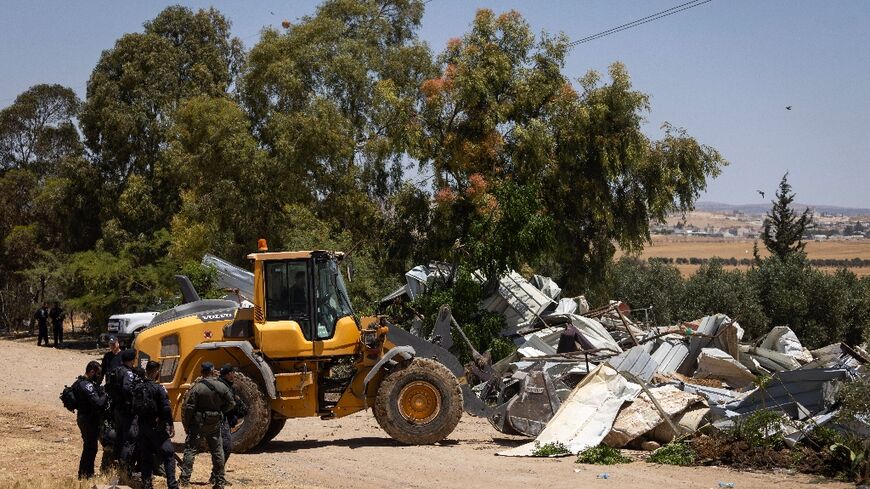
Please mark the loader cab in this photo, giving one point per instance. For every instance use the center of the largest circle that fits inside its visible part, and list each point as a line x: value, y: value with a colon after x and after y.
x: 301, y: 304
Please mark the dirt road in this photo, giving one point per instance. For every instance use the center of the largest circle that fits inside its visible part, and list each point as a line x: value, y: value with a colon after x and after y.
x: 40, y: 440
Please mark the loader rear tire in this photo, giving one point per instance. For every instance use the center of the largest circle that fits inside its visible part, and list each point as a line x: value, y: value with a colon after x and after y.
x: 420, y: 404
x: 254, y: 425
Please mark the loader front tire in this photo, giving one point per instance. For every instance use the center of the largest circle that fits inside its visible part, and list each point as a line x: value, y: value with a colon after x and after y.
x: 419, y: 404
x: 254, y: 425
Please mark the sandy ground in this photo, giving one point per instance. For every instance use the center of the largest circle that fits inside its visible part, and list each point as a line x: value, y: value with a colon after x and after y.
x: 39, y: 440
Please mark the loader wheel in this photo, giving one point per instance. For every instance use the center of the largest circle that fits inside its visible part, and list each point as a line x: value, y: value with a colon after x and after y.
x: 420, y: 404
x: 253, y: 427
x: 275, y: 427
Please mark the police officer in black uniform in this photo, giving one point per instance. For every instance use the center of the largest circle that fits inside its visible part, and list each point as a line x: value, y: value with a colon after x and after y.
x: 57, y: 316
x: 41, y: 318
x: 111, y: 358
x: 91, y: 402
x: 156, y: 430
x: 122, y: 394
x: 208, y: 400
x: 232, y: 418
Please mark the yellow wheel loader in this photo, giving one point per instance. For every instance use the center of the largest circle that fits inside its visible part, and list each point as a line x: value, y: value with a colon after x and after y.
x: 301, y: 352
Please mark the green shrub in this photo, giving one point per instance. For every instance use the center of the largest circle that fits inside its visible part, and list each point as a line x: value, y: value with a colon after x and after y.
x: 855, y: 399
x: 676, y: 453
x: 761, y: 429
x: 713, y: 290
x: 553, y: 449
x: 463, y: 296
x: 854, y: 458
x: 602, y: 455
x: 640, y: 284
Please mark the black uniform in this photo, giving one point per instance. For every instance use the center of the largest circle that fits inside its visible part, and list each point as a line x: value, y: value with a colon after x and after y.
x: 122, y: 395
x: 207, y: 402
x: 154, y: 437
x: 91, y: 402
x: 108, y: 436
x: 41, y: 317
x: 110, y: 361
x: 231, y: 419
x: 57, y: 315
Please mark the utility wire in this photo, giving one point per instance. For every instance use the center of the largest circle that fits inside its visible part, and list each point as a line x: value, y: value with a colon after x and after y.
x: 640, y: 21
x: 632, y: 23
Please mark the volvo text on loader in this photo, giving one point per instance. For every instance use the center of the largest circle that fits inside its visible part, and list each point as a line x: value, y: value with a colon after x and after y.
x: 301, y: 351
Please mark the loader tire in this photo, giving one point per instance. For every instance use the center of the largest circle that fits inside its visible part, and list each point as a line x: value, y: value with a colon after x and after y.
x: 255, y: 424
x: 247, y: 434
x: 275, y: 427
x: 420, y: 404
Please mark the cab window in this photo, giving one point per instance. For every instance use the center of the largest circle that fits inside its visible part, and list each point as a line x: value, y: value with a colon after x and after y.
x: 287, y: 293
x: 331, y: 298
x: 169, y: 355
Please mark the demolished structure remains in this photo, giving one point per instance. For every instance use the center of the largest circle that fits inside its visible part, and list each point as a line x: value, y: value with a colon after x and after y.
x: 580, y: 377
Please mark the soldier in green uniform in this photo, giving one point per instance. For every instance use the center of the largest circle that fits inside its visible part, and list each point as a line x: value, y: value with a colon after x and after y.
x: 207, y: 402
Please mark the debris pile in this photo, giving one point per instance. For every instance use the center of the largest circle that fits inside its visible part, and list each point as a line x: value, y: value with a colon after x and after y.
x: 582, y: 376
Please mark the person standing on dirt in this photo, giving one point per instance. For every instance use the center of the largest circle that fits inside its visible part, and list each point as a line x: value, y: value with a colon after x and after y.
x: 57, y: 316
x: 41, y: 318
x: 91, y: 403
x: 119, y: 384
x: 232, y: 418
x: 156, y: 429
x: 108, y: 437
x: 112, y: 358
x: 208, y: 400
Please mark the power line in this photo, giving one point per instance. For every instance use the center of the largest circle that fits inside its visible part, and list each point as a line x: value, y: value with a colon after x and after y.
x: 641, y: 21
x: 630, y: 24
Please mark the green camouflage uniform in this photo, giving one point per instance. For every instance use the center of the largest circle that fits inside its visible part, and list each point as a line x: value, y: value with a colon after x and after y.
x: 207, y: 401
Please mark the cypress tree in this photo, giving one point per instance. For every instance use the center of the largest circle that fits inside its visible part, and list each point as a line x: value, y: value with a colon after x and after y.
x: 783, y: 228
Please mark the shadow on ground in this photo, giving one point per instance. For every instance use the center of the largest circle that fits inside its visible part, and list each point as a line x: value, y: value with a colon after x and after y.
x: 71, y: 341
x: 278, y: 446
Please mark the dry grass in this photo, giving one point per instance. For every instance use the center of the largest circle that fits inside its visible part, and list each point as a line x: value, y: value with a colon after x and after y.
x: 52, y: 483
x: 680, y: 247
x: 689, y: 270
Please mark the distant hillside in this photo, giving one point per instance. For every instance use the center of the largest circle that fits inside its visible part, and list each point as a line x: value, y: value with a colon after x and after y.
x: 758, y: 209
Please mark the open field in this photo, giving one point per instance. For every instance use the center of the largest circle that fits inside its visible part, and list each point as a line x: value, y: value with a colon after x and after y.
x: 681, y: 247
x: 41, y: 446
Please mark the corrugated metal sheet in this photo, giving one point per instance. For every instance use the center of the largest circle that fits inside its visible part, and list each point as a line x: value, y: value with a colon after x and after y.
x: 399, y: 292
x: 810, y: 388
x: 536, y: 347
x: 670, y: 354
x: 517, y: 300
x: 636, y: 361
x: 716, y: 396
x: 230, y: 276
x: 708, y: 327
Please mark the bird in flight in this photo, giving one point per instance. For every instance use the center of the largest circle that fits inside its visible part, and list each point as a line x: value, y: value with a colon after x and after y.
x: 761, y: 192
x: 788, y: 107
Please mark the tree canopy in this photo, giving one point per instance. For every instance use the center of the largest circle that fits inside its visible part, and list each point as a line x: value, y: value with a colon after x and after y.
x: 342, y: 130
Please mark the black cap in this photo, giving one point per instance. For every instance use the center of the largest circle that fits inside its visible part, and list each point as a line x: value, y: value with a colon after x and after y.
x: 227, y: 368
x: 207, y: 367
x: 128, y: 355
x: 111, y: 339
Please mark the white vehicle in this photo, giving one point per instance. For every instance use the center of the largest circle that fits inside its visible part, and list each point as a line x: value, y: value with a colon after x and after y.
x: 126, y: 327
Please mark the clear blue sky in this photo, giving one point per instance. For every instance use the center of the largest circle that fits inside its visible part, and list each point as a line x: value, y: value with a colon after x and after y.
x: 724, y: 70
